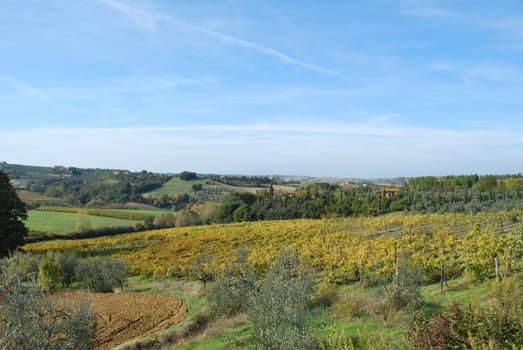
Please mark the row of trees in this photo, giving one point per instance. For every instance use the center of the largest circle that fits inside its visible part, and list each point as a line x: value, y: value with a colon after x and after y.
x: 463, y: 194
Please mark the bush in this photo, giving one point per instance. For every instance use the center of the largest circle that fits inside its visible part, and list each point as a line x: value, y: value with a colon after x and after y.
x: 102, y: 274
x: 457, y: 327
x: 57, y: 269
x: 24, y: 265
x: 348, y: 309
x: 31, y: 319
x: 49, y: 275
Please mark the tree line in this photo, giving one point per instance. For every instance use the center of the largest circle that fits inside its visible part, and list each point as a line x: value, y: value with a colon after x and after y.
x: 453, y: 194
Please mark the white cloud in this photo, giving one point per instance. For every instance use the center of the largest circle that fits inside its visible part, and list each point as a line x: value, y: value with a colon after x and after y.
x: 149, y: 21
x: 426, y: 9
x: 490, y: 71
x: 84, y: 90
x: 442, y: 66
x: 309, y: 148
x: 142, y: 18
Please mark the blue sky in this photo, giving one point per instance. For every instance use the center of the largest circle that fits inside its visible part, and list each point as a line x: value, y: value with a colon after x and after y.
x: 377, y: 88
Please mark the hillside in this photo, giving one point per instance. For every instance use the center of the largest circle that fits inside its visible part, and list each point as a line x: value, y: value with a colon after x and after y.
x: 354, y: 261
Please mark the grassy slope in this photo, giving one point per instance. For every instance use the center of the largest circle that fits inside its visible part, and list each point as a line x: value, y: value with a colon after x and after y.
x: 62, y: 223
x: 459, y: 290
x: 175, y: 185
x: 323, y: 320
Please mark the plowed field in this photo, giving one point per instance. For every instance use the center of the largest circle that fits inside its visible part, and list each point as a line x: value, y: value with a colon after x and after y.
x: 125, y: 316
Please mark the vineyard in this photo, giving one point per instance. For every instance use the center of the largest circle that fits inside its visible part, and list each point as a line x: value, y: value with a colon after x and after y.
x: 343, y: 249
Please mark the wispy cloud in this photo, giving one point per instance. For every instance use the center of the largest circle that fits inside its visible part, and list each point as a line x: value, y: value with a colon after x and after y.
x: 142, y: 18
x: 376, y: 127
x: 426, y: 9
x: 511, y: 27
x: 376, y: 148
x: 149, y: 20
x: 488, y: 71
x: 86, y: 90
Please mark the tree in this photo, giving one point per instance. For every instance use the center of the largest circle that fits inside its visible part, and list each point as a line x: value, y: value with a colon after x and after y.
x: 12, y: 214
x: 188, y: 175
x: 187, y: 218
x: 164, y: 220
x: 225, y: 213
x: 276, y: 303
x: 83, y: 224
x: 102, y: 274
x: 33, y: 319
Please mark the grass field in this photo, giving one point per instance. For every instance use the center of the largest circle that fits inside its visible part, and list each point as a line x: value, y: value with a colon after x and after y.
x: 175, y: 185
x: 63, y: 223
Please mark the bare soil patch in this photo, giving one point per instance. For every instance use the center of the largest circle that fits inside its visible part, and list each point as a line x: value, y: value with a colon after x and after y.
x: 125, y: 316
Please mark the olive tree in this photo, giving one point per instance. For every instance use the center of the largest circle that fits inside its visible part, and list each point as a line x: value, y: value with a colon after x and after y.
x: 276, y: 303
x: 32, y: 319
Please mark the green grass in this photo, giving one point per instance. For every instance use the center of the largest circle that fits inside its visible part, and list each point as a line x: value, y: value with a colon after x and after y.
x: 62, y: 223
x: 370, y: 328
x: 175, y: 185
x: 459, y: 290
x: 230, y: 338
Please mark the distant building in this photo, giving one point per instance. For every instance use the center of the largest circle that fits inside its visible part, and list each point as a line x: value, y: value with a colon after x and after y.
x: 389, y: 192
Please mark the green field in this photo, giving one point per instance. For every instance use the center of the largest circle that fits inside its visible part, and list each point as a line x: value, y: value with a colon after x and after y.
x: 62, y: 223
x: 175, y: 185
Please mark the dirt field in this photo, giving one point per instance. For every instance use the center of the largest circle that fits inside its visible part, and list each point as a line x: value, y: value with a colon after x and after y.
x: 125, y: 316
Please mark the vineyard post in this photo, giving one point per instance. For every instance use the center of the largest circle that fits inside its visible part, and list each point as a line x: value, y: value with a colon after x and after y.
x: 360, y: 272
x: 496, y: 264
x: 442, y: 272
x: 396, y: 260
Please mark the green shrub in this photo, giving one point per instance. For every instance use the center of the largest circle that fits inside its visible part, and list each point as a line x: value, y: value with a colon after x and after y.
x: 457, y: 327
x: 49, y: 275
x: 24, y: 265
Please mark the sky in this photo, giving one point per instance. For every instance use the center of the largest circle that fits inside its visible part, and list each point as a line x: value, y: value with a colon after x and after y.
x: 360, y: 88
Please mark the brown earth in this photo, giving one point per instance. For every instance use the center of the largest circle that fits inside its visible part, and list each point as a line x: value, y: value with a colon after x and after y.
x: 125, y: 316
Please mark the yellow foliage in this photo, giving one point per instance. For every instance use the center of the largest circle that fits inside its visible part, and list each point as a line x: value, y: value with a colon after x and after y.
x: 343, y: 248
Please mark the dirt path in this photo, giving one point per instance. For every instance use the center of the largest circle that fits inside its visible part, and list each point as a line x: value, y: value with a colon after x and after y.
x: 125, y: 316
